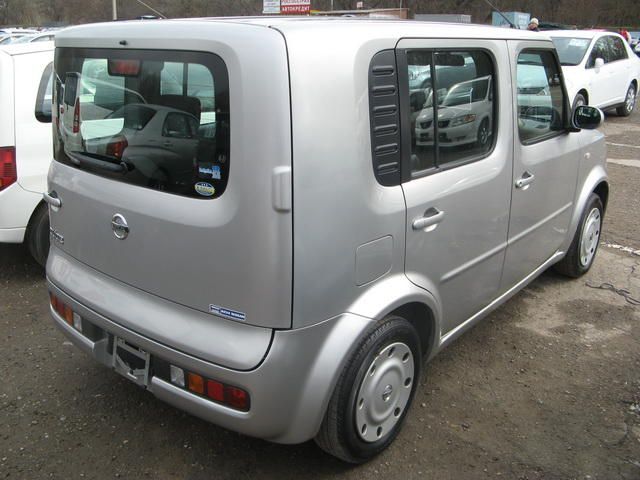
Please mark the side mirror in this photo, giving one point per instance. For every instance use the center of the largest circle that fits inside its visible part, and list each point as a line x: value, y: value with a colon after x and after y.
x: 598, y: 64
x: 586, y: 117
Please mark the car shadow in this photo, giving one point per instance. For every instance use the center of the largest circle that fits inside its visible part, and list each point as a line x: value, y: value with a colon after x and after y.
x: 16, y: 263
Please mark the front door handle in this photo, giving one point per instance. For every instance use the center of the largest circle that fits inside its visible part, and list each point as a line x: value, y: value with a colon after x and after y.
x: 525, y: 180
x: 52, y: 199
x: 429, y: 221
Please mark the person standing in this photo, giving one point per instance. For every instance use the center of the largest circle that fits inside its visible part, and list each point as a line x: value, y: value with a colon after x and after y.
x: 625, y: 34
x: 533, y: 25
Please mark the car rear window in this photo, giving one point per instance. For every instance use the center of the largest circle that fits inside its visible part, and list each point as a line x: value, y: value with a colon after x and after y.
x: 153, y: 119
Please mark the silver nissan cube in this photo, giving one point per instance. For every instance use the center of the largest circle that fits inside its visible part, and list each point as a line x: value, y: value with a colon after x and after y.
x: 274, y: 223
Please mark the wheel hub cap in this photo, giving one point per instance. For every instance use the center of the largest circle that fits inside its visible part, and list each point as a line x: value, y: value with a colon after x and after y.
x: 590, y: 237
x: 631, y: 99
x: 384, y: 392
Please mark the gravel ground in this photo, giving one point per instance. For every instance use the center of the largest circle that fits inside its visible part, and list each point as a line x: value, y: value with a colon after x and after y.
x: 547, y: 387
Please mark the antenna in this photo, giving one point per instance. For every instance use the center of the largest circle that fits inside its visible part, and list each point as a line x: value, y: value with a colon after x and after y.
x: 502, y: 15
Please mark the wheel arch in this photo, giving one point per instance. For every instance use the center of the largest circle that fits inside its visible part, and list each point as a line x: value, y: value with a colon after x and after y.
x: 29, y: 231
x: 422, y: 318
x: 595, y: 182
x: 397, y: 295
x: 602, y: 190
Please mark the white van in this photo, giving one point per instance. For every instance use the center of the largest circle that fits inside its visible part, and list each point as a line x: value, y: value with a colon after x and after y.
x: 25, y: 144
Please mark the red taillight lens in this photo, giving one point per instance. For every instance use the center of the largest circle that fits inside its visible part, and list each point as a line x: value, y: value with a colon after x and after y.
x: 236, y: 398
x: 116, y: 149
x: 76, y: 117
x: 8, y: 169
x: 123, y: 68
x: 215, y: 390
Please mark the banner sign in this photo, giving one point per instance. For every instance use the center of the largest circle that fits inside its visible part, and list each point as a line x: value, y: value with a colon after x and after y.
x: 295, y: 7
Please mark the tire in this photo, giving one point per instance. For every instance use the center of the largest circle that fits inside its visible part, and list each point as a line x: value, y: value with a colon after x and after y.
x: 629, y: 102
x: 392, y: 351
x: 578, y: 260
x: 37, y: 236
x: 579, y: 101
x: 482, y: 138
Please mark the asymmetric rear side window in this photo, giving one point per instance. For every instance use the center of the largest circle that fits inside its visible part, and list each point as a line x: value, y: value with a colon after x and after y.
x: 154, y: 119
x: 452, y: 107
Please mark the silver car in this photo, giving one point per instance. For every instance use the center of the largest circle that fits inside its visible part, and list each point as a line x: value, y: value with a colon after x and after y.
x: 291, y: 274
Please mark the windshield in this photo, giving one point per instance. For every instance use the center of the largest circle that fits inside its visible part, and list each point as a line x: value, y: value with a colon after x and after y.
x: 571, y: 50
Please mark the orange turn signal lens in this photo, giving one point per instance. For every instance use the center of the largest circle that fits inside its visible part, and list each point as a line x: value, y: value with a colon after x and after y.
x: 195, y: 383
x: 68, y: 314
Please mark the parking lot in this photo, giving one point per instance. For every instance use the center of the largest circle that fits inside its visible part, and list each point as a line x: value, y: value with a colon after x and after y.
x: 547, y: 387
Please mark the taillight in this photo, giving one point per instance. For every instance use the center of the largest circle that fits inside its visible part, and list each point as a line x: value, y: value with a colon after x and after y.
x: 116, y: 149
x: 8, y: 169
x: 76, y: 117
x: 219, y: 392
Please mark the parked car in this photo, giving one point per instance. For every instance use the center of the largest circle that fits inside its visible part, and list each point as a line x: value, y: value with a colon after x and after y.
x: 37, y: 37
x: 25, y: 144
x: 600, y: 69
x: 293, y: 285
x: 9, y: 35
x: 466, y: 115
x: 9, y: 38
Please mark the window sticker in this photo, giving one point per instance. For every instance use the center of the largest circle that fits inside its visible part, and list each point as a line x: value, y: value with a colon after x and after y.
x: 205, y: 189
x: 213, y: 171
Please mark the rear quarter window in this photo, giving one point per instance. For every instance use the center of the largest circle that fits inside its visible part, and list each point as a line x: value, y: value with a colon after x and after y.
x: 153, y: 119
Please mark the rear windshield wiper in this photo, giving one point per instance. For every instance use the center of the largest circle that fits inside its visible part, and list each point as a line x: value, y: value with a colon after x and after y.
x: 82, y: 159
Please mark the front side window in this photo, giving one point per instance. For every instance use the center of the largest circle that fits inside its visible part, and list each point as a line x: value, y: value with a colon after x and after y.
x: 154, y: 119
x: 452, y: 107
x: 540, y: 96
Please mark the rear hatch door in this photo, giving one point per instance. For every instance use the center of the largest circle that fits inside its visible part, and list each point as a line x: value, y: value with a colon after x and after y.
x: 173, y: 163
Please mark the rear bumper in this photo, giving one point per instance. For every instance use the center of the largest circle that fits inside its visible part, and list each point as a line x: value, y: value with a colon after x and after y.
x: 289, y: 389
x: 12, y: 235
x: 16, y: 207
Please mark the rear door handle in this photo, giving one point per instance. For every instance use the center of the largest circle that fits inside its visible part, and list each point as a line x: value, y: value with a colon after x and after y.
x: 429, y: 221
x: 525, y: 180
x: 52, y: 199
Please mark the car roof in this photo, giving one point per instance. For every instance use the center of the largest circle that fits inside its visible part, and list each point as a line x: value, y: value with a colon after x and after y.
x: 377, y: 27
x: 581, y: 33
x: 25, y: 48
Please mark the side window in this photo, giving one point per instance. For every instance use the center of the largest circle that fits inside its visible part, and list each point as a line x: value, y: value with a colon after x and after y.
x: 540, y: 97
x: 452, y: 107
x: 43, y: 99
x: 600, y: 50
x: 616, y: 48
x: 178, y: 125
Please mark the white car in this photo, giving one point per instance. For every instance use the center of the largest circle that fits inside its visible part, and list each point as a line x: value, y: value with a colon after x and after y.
x: 37, y: 37
x: 465, y: 115
x: 599, y: 69
x: 25, y: 144
x: 10, y: 35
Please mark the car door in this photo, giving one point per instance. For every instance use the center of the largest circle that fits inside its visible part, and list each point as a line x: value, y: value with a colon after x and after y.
x: 546, y: 161
x: 458, y: 190
x: 619, y: 68
x: 599, y: 91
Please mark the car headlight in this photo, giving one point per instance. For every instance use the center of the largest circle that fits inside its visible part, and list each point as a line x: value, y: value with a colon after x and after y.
x: 462, y: 120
